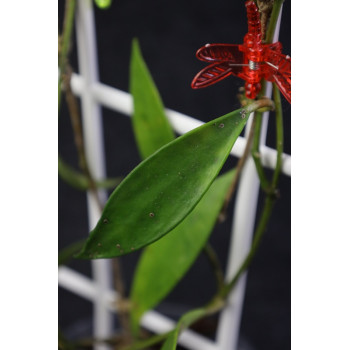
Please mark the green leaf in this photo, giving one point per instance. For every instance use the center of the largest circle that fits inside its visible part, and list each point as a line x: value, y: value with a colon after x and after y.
x: 151, y: 127
x: 171, y: 257
x: 67, y: 253
x: 80, y: 181
x: 71, y: 176
x: 162, y: 190
x: 103, y: 4
x: 171, y: 341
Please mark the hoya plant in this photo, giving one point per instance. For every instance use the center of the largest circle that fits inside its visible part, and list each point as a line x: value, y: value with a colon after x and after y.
x: 166, y: 208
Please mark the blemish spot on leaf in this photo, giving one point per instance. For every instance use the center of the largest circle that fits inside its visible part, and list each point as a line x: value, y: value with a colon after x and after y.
x: 99, y: 244
x: 132, y: 248
x: 105, y: 221
x: 118, y: 245
x: 151, y: 215
x: 243, y: 113
x: 221, y: 125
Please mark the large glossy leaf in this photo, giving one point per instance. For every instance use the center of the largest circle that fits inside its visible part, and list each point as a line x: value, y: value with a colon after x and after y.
x: 170, y: 258
x: 162, y: 190
x: 151, y: 127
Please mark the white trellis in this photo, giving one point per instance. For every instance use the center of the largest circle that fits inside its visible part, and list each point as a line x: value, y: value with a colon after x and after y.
x: 98, y: 289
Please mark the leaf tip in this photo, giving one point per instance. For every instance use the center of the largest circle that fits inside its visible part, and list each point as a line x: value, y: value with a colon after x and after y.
x: 82, y: 255
x: 135, y: 45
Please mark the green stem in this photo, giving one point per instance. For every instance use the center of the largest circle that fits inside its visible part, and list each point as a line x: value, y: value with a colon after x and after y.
x: 66, y: 38
x: 259, y: 104
x: 255, y: 150
x: 214, y: 261
x: 255, y: 106
x: 265, y: 185
x: 265, y: 216
x: 279, y: 134
x: 264, y: 182
x: 191, y: 317
x: 74, y: 114
x: 273, y: 20
x: 185, y: 321
x: 239, y: 168
x: 123, y: 314
x: 270, y: 199
x: 142, y: 344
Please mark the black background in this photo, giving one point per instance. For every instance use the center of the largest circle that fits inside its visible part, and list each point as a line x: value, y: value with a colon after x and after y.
x: 169, y: 34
